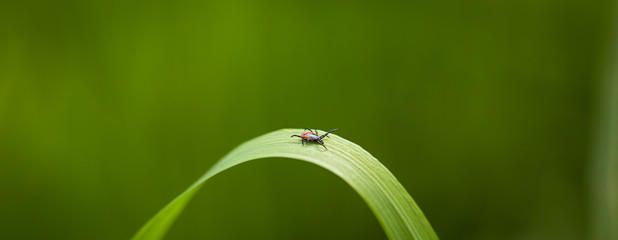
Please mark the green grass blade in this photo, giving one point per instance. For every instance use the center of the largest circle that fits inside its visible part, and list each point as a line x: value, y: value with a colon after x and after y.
x: 396, y: 211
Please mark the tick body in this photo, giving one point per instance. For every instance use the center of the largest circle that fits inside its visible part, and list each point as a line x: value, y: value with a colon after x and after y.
x: 312, y: 136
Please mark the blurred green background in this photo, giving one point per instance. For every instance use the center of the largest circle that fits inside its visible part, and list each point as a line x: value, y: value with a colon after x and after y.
x: 484, y: 110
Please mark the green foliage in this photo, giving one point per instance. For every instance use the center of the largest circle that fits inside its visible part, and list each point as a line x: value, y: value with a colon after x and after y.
x: 395, y: 209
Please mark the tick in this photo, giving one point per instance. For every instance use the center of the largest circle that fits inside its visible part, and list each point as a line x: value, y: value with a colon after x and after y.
x: 312, y: 136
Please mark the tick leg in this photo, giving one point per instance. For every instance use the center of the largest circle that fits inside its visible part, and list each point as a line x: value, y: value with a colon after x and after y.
x: 296, y: 136
x: 316, y: 131
x: 303, y: 141
x: 319, y: 141
x: 326, y: 135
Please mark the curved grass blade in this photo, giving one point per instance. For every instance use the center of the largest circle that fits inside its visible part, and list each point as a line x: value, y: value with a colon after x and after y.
x: 396, y: 211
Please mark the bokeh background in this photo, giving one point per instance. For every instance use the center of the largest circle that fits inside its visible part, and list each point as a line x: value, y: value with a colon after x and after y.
x: 484, y: 110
